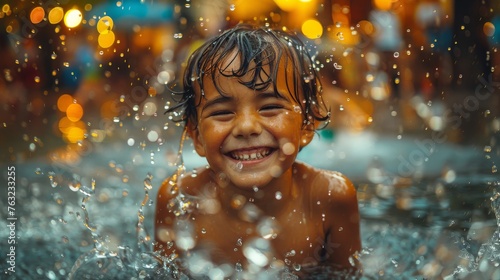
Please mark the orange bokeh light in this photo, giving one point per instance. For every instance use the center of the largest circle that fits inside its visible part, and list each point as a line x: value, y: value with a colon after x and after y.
x: 64, y: 101
x: 37, y: 15
x: 74, y: 112
x: 106, y: 39
x: 75, y: 134
x: 56, y: 15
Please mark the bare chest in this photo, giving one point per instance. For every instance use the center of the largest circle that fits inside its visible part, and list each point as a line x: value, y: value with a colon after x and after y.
x: 293, y: 238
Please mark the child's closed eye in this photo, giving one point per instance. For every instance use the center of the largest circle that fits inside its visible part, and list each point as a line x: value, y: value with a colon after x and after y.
x: 220, y: 113
x: 272, y: 106
x: 272, y: 109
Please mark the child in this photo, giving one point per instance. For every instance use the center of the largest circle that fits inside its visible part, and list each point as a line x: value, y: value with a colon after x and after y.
x: 251, y: 102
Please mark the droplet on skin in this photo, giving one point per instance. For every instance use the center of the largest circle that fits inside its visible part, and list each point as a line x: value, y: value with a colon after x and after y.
x: 275, y: 171
x: 239, y: 165
x: 238, y: 201
x: 278, y: 195
x: 288, y: 148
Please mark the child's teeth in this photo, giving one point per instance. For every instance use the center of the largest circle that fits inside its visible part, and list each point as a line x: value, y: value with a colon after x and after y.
x: 252, y: 156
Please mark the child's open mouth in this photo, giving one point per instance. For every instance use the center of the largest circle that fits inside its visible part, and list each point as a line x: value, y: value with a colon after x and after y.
x: 251, y: 154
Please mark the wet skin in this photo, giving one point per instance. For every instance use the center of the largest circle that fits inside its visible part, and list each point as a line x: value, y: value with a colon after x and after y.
x: 250, y: 140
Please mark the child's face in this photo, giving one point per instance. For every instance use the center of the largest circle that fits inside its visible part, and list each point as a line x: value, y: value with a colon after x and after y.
x: 249, y: 137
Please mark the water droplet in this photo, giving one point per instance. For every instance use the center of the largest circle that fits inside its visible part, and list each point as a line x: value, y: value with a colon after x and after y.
x: 184, y: 238
x: 278, y: 195
x: 239, y: 165
x: 258, y: 251
x: 396, y: 54
x: 268, y: 228
x: 147, y: 184
x: 237, y: 201
x: 232, y: 7
x: 297, y: 267
x: 131, y: 142
x: 75, y: 186
x: 288, y: 148
x: 153, y: 136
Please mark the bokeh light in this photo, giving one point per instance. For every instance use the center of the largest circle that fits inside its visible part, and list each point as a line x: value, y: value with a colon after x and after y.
x: 56, y: 15
x: 243, y: 9
x: 64, y: 124
x: 6, y: 9
x: 384, y: 5
x: 366, y: 27
x: 106, y: 36
x: 64, y: 101
x: 72, y: 131
x: 37, y: 15
x: 105, y: 24
x: 489, y: 29
x: 73, y: 18
x: 312, y: 29
x: 75, y: 134
x: 287, y: 5
x: 106, y: 39
x: 74, y: 112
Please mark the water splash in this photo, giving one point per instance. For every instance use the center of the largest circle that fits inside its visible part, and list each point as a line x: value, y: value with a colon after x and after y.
x: 179, y: 163
x: 143, y: 238
x: 125, y: 262
x: 486, y: 265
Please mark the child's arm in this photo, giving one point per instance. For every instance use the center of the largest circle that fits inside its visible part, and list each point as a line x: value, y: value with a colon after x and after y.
x: 341, y: 225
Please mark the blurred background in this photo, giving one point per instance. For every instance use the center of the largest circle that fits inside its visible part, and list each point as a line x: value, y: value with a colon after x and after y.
x: 420, y: 58
x: 413, y: 86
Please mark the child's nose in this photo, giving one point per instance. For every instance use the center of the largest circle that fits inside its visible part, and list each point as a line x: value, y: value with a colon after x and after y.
x: 247, y: 125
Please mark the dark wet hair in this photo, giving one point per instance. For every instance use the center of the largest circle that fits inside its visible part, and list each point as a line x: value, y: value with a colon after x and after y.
x: 259, y: 50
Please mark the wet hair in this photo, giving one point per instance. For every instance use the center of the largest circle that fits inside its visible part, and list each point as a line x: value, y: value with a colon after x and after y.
x: 259, y: 51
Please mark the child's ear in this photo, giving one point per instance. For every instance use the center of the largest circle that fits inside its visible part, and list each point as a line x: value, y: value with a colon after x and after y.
x: 307, y: 134
x: 194, y: 134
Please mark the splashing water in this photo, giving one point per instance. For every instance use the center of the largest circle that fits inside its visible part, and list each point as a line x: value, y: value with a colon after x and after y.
x: 101, y: 261
x: 487, y: 263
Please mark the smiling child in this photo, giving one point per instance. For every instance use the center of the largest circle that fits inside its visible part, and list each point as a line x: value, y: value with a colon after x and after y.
x: 251, y: 102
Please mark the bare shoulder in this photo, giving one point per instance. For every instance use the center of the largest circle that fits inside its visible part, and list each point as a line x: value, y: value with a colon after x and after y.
x: 332, y: 186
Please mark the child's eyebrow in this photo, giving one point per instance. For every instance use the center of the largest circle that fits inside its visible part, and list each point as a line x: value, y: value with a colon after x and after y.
x: 268, y: 94
x: 217, y: 100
